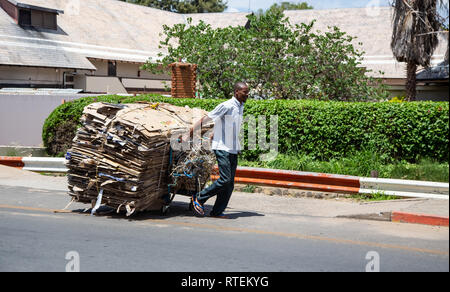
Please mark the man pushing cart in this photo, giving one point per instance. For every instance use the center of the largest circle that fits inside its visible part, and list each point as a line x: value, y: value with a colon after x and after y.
x: 227, y: 118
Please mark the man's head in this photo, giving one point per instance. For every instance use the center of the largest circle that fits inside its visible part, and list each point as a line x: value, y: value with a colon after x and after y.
x: 241, y: 91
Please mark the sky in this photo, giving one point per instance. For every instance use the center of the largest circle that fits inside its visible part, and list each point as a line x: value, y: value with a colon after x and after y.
x: 243, y: 5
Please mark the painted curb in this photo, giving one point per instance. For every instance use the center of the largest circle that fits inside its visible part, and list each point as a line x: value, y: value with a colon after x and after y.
x: 297, y: 179
x: 40, y: 164
x: 284, y: 179
x: 12, y: 161
x: 423, y: 219
x: 405, y: 188
x: 401, y: 217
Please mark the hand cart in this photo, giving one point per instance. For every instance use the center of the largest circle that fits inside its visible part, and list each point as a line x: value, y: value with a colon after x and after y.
x: 190, y: 174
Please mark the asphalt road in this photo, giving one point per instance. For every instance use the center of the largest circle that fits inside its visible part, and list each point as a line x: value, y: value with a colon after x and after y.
x: 34, y: 238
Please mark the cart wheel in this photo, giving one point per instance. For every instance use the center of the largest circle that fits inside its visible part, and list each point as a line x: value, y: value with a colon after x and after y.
x: 165, y: 210
x: 197, y: 190
x: 190, y: 204
x: 197, y: 184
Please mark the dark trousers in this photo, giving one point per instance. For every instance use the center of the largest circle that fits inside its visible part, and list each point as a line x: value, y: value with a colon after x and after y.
x: 224, y: 186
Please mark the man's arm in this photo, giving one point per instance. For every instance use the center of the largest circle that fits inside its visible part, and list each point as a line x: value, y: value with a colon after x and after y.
x: 198, y: 124
x: 218, y: 112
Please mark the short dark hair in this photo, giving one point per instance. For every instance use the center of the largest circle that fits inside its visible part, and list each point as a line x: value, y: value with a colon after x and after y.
x: 239, y: 85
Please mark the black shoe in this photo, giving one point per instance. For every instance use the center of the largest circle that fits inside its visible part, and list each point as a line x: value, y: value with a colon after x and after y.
x: 221, y: 216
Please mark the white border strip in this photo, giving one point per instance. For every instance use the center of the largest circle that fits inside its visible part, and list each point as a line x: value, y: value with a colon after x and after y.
x: 44, y: 164
x: 404, y: 188
x: 405, y: 194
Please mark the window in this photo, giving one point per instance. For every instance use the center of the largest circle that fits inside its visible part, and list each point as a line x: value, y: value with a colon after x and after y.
x: 27, y: 15
x: 24, y: 17
x: 43, y: 19
x: 112, y: 68
x: 69, y: 78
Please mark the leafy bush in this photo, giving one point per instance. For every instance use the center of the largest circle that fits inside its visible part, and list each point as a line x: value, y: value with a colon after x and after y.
x: 335, y: 129
x: 322, y: 130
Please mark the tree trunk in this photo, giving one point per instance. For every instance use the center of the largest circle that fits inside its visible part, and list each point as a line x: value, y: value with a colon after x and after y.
x: 411, y: 81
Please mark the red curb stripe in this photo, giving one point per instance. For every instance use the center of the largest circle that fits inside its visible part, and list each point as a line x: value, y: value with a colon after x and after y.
x: 299, y: 177
x: 300, y: 185
x: 296, y: 179
x: 293, y: 184
x: 12, y: 161
x: 419, y: 219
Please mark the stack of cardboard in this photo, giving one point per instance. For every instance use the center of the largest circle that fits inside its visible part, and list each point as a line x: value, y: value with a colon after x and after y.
x: 120, y: 156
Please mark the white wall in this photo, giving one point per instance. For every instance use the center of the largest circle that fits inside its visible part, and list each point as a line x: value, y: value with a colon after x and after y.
x: 30, y: 75
x: 109, y: 85
x: 148, y: 84
x: 24, y: 76
x: 129, y: 70
x: 22, y: 117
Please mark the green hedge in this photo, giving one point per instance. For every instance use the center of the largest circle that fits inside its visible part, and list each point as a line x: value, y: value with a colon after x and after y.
x: 325, y: 130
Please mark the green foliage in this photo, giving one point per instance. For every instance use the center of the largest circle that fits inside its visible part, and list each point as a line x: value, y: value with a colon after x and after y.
x: 286, y: 6
x: 277, y: 60
x: 185, y: 6
x: 378, y: 196
x: 248, y: 189
x: 290, y: 6
x: 398, y: 99
x: 321, y: 130
x: 359, y: 164
x: 334, y: 129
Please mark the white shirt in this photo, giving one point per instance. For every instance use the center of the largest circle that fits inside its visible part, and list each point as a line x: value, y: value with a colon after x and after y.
x: 227, y: 118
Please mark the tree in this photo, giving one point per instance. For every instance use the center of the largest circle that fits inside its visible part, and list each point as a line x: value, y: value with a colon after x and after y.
x: 287, y: 6
x: 290, y: 6
x: 414, y: 37
x: 186, y: 6
x: 277, y: 59
x: 201, y: 6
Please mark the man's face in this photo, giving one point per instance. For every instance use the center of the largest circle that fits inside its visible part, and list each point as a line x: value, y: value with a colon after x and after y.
x: 242, y: 94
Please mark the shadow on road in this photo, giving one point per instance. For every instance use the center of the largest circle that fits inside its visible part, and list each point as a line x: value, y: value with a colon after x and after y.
x: 176, y: 209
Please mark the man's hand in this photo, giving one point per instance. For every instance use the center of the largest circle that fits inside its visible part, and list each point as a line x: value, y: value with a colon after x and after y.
x: 198, y: 124
x: 191, y: 131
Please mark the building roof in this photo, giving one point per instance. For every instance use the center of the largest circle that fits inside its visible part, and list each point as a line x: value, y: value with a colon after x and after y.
x: 436, y: 73
x: 117, y: 30
x: 35, y: 55
x: 26, y: 4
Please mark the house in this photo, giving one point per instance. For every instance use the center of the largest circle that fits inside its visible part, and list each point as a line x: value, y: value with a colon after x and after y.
x: 435, y: 77
x: 98, y: 46
x: 94, y: 45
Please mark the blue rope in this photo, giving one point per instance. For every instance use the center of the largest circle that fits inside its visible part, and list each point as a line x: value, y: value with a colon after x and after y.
x: 188, y: 175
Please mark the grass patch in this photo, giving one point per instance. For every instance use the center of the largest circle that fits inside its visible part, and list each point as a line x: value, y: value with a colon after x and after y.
x: 249, y: 189
x: 378, y: 196
x: 56, y: 174
x: 12, y: 152
x: 360, y: 164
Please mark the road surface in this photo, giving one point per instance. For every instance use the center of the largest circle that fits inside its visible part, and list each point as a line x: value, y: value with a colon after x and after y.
x: 258, y: 238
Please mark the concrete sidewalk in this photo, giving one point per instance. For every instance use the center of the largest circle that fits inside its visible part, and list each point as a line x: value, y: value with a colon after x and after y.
x: 262, y: 203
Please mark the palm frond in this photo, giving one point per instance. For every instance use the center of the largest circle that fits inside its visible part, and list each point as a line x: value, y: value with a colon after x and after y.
x: 414, y: 38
